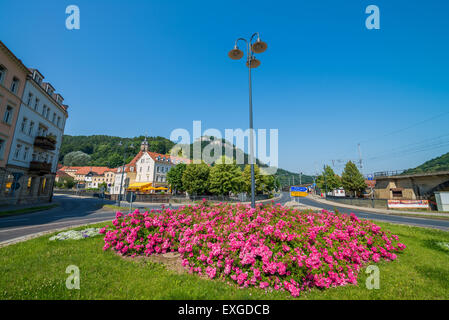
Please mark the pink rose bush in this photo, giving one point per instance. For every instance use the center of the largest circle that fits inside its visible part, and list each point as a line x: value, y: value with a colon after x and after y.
x: 270, y: 246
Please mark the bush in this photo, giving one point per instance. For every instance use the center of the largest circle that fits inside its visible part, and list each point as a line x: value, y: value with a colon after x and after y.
x: 268, y: 247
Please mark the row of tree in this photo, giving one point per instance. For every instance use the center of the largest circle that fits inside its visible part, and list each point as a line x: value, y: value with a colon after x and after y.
x: 224, y: 178
x: 351, y: 180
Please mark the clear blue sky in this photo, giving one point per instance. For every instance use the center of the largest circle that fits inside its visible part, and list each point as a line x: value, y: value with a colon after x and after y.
x: 326, y: 82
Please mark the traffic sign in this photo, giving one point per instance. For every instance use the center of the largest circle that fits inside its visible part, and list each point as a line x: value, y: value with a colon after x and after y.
x: 298, y: 191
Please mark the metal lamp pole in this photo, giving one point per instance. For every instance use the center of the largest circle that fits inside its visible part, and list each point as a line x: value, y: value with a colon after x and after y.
x: 251, y: 62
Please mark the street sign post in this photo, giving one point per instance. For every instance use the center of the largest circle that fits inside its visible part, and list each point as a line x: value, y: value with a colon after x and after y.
x: 298, y: 192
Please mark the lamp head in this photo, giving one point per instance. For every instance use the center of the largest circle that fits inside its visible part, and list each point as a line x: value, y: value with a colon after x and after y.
x: 259, y: 46
x: 254, y: 63
x: 235, y: 54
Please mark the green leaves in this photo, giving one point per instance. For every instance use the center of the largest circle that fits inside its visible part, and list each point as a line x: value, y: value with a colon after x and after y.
x: 328, y: 180
x: 225, y: 177
x: 352, y: 179
x: 195, y: 179
x: 174, y: 177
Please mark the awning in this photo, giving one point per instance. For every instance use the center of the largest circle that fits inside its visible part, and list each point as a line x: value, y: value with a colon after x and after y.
x: 153, y: 188
x: 139, y: 185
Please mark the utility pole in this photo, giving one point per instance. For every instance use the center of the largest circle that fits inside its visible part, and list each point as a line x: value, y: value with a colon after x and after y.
x: 300, y: 178
x: 360, y: 158
x: 325, y: 182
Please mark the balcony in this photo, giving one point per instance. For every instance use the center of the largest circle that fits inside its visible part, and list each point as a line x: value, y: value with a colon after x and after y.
x: 46, y: 143
x: 40, y: 168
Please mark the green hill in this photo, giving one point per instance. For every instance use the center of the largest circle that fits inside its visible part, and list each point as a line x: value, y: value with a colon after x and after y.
x: 440, y: 163
x: 105, y: 151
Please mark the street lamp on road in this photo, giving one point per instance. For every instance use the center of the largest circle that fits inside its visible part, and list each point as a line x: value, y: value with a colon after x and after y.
x: 119, y: 198
x: 251, y: 62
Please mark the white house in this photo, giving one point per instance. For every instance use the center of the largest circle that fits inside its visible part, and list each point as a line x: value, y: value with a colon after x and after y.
x: 37, y: 139
x: 147, y: 167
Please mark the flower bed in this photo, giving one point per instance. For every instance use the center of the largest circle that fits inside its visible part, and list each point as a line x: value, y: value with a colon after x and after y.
x: 76, y: 234
x: 268, y: 247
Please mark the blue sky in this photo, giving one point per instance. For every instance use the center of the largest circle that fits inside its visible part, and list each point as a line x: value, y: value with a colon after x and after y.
x: 326, y: 82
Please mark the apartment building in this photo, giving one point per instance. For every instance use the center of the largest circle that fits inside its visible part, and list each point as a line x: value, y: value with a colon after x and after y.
x: 31, y: 162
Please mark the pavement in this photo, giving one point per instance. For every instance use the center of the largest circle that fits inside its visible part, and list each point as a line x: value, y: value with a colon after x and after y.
x: 74, y: 211
x: 379, y: 210
x: 364, y: 213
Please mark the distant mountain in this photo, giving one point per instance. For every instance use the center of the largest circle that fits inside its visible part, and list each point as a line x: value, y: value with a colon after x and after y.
x: 440, y: 163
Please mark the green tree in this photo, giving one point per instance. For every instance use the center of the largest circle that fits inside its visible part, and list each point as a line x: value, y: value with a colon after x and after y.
x: 352, y: 180
x: 328, y: 180
x: 269, y: 183
x: 258, y: 178
x: 225, y: 177
x: 195, y: 178
x: 76, y: 158
x: 174, y: 177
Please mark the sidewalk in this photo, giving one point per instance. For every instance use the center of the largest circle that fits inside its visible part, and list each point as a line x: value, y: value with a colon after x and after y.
x: 376, y: 210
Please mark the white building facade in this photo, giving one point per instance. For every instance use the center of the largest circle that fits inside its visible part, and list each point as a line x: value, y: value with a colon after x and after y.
x: 37, y: 140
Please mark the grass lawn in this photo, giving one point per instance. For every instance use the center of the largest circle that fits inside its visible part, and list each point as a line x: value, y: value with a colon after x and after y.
x: 28, y: 210
x: 35, y: 269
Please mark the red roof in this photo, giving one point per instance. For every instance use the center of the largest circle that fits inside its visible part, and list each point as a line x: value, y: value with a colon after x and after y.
x: 97, y: 170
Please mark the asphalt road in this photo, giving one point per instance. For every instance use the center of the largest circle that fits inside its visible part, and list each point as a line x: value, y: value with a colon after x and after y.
x: 71, y: 211
x: 75, y: 211
x: 421, y: 222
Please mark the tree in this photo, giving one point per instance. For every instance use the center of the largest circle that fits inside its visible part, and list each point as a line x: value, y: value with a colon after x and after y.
x: 328, y: 180
x: 225, y: 177
x: 195, y: 178
x: 352, y: 180
x: 174, y: 177
x: 258, y: 179
x: 270, y: 183
x: 76, y: 158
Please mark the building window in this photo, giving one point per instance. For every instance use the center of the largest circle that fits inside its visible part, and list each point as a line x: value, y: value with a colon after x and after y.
x: 30, y: 130
x: 17, y: 152
x: 30, y: 97
x: 48, y: 113
x: 8, y: 115
x: 2, y: 147
x: 25, y: 153
x: 54, y: 117
x: 2, y: 73
x: 44, y: 108
x: 59, y: 120
x: 36, y: 104
x: 15, y: 85
x: 23, y: 125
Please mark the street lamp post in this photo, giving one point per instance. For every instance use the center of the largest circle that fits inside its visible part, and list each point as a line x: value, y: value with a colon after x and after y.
x: 251, y: 62
x: 119, y: 198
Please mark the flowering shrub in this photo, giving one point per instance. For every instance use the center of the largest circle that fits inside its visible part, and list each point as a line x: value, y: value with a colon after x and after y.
x: 267, y: 247
x: 76, y: 235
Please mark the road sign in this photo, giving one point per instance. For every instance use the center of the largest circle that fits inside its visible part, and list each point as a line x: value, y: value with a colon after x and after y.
x: 370, y: 177
x: 298, y: 191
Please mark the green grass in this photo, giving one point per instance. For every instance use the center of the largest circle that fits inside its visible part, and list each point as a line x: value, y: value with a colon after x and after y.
x: 35, y: 269
x: 28, y: 210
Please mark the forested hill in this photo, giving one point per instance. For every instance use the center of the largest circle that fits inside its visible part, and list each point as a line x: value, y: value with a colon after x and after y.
x: 102, y: 150
x: 440, y: 163
x: 105, y: 150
